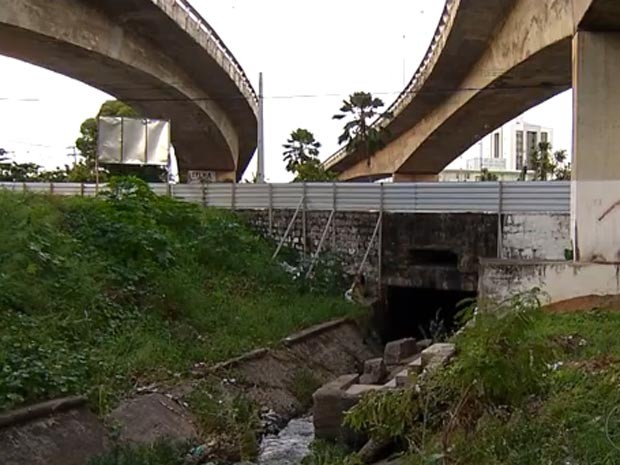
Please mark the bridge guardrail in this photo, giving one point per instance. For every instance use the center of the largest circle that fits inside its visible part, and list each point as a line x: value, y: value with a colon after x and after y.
x: 482, y: 197
x: 414, y: 84
x: 206, y: 27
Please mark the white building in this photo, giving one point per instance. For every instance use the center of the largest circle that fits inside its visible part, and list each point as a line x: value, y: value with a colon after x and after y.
x: 504, y: 152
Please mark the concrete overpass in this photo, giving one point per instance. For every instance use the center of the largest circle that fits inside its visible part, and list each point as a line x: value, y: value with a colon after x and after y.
x: 490, y: 60
x: 159, y: 56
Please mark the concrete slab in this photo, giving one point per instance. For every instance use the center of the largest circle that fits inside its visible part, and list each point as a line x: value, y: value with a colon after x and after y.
x: 438, y: 354
x: 359, y: 390
x: 396, y: 352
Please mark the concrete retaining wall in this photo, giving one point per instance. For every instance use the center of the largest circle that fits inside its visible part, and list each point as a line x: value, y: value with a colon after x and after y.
x: 66, y: 432
x: 536, y: 236
x: 559, y: 281
x: 422, y: 250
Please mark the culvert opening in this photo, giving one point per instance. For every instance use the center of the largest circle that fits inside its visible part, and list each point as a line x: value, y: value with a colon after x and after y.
x: 421, y: 313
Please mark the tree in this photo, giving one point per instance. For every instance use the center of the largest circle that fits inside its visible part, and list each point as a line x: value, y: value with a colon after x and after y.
x: 300, y: 148
x: 19, y: 172
x: 87, y: 142
x: 541, y: 162
x: 358, y: 132
x: 313, y: 171
x: 548, y: 165
x: 87, y: 145
x: 563, y: 168
x: 301, y: 155
x: 486, y: 175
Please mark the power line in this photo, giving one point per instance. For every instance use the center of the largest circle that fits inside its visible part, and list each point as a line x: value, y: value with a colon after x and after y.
x: 437, y: 91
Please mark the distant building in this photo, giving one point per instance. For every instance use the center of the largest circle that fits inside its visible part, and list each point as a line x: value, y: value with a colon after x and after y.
x: 505, y: 152
x: 465, y: 175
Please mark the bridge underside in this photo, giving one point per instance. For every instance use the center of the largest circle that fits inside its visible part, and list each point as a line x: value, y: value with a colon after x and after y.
x: 525, y: 62
x: 113, y: 51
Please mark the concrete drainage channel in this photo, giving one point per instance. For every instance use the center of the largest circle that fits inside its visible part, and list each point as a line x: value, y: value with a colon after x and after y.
x: 66, y: 432
x: 347, y: 366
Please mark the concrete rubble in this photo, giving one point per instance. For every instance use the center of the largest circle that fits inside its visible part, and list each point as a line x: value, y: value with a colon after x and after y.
x: 406, y: 359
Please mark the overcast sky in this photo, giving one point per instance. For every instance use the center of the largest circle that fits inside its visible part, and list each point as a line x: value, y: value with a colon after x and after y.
x: 312, y: 54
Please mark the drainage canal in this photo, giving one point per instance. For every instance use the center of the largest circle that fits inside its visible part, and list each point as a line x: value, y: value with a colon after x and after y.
x: 421, y: 313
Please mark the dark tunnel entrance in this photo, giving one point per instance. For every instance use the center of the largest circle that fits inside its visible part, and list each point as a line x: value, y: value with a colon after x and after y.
x: 420, y: 313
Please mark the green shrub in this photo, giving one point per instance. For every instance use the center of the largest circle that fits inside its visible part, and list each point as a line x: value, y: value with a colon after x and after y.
x: 100, y: 294
x: 159, y: 453
x: 232, y: 418
x: 326, y: 453
x: 303, y: 385
x: 500, y: 357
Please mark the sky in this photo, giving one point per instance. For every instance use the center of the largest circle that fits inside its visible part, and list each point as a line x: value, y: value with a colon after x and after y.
x: 312, y: 55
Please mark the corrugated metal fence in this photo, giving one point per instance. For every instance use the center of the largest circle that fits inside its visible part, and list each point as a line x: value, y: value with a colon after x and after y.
x: 493, y: 197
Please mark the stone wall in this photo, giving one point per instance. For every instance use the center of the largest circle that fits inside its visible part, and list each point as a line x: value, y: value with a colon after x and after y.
x: 422, y: 250
x: 536, y: 237
x: 437, y: 251
x: 348, y: 236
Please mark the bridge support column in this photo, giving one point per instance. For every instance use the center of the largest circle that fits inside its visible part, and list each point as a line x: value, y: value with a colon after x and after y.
x: 403, y: 177
x: 595, y: 197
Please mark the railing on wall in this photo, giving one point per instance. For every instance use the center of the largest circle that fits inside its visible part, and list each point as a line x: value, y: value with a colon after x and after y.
x: 482, y: 197
x: 219, y: 43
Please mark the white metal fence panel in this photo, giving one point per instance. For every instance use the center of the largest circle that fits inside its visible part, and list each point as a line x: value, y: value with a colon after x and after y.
x: 187, y: 192
x: 159, y: 188
x: 522, y: 197
x: 450, y: 197
x: 399, y: 197
x: 287, y: 195
x: 359, y: 197
x: 252, y: 196
x: 74, y: 189
x: 489, y: 197
x: 219, y: 195
x: 321, y: 196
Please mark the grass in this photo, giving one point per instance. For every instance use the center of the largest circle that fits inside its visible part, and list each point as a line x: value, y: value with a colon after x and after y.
x: 527, y: 387
x: 229, y: 419
x: 303, y: 385
x: 98, y: 295
x: 160, y: 453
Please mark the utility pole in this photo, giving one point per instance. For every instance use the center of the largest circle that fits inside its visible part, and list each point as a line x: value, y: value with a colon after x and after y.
x: 260, y: 172
x: 74, y: 154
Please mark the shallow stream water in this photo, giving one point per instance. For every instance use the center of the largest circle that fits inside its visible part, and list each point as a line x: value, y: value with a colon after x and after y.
x: 290, y: 446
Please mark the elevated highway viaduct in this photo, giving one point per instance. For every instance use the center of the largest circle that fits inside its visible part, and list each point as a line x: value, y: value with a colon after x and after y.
x: 160, y: 56
x: 491, y: 60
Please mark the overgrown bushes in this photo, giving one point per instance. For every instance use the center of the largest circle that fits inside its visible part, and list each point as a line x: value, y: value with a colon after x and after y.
x: 527, y: 387
x: 98, y: 295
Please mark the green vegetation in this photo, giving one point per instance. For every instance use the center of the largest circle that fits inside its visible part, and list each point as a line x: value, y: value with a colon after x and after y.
x: 527, y: 387
x: 98, y: 295
x: 83, y: 170
x: 301, y: 155
x: 548, y: 165
x: 303, y: 385
x: 232, y: 419
x: 359, y: 132
x: 325, y: 453
x: 159, y: 453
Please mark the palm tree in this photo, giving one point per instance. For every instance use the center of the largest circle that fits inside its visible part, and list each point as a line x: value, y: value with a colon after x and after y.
x: 562, y: 170
x: 541, y: 161
x: 300, y: 148
x: 361, y: 109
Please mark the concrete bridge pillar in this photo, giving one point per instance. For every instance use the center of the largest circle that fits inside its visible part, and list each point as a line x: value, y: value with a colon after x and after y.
x: 595, y: 199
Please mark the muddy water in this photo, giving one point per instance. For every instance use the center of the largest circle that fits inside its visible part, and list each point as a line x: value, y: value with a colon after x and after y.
x: 290, y: 446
